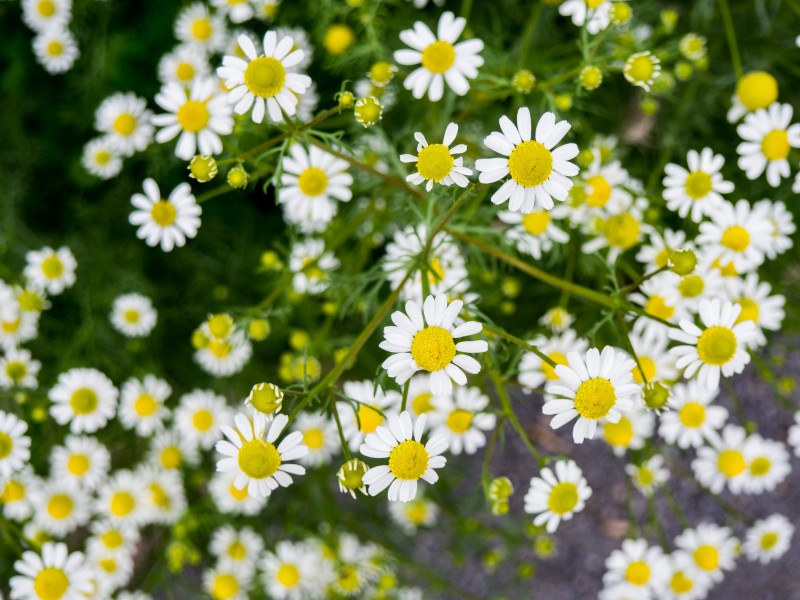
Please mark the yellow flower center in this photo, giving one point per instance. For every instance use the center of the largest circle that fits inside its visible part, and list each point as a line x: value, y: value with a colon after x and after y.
x: 757, y: 90
x: 716, y: 345
x: 750, y: 310
x: 131, y: 316
x: 409, y: 460
x: 536, y: 222
x: 145, y: 405
x: 237, y: 551
x: 125, y: 124
x: 171, y: 457
x: 459, y: 420
x: 109, y: 565
x: 313, y: 438
x: 691, y: 286
x: 347, y: 579
x: 313, y: 181
x: 369, y: 418
x: 775, y: 145
x: 563, y: 498
x: 768, y: 540
x: 203, y: 420
x: 78, y: 464
x: 163, y: 213
x: 225, y: 586
x: 435, y: 162
x: 193, y: 116
x: 237, y: 494
x: 382, y: 72
x: 640, y: 68
x: 219, y: 348
x: 159, y: 496
x: 698, y: 185
x: 122, y: 504
x: 433, y: 348
x: 619, y: 434
x: 102, y: 157
x: 338, y: 38
x: 706, y: 557
x: 593, y: 4
x: 264, y: 76
x: 439, y: 56
x: 16, y: 370
x: 113, y: 539
x: 6, y: 445
x: 680, y: 583
x: 760, y: 466
x: 55, y: 48
x: 11, y: 326
x: 60, y: 506
x: 662, y: 257
x: 201, y: 29
x: 731, y: 463
x: 549, y: 372
x: 259, y: 459
x: 422, y: 403
x: 622, y: 231
x: 30, y: 301
x: 435, y: 271
x: 657, y: 306
x: 594, y: 398
x: 692, y: 415
x: 638, y: 573
x: 13, y: 492
x: 601, y: 191
x: 52, y: 267
x: 648, y: 366
x: 220, y: 325
x: 46, y: 8
x: 530, y: 164
x: 184, y: 71
x: 83, y: 401
x: 288, y: 576
x: 369, y: 110
x: 51, y: 583
x: 645, y: 476
x: 417, y: 512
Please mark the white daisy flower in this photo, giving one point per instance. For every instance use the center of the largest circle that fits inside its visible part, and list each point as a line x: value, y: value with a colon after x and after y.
x: 60, y: 506
x: 237, y: 11
x: 604, y: 191
x: 200, y: 417
x: 133, y: 315
x: 768, y: 539
x: 783, y: 227
x: 265, y: 82
x: 112, y: 538
x: 699, y: 190
x: 684, y: 581
x: 311, y: 278
x: 437, y: 163
x: 15, y: 493
x: 15, y: 446
x: 261, y: 467
x: 123, y: 500
x: 705, y: 282
x: 165, y: 221
x: 17, y: 330
x: 693, y: 419
x: 227, y: 584
x: 112, y: 571
x: 539, y: 171
x: 238, y: 549
x: 767, y: 464
x: 720, y: 346
x: 50, y: 270
x: 737, y: 235
x: 712, y: 547
x: 758, y: 306
x: 225, y: 357
x: 164, y: 494
x: 56, y: 50
x: 768, y: 137
x: 419, y: 399
x: 18, y: 369
x: 558, y: 319
x: 183, y: 65
x: 591, y: 388
x: 54, y: 574
x: 41, y: 15
x: 441, y: 59
x: 642, y: 69
x: 557, y: 495
x: 313, y: 183
x: 656, y: 299
x: 319, y: 436
x: 429, y: 344
x: 649, y: 475
x: 357, y: 568
x: 650, y: 347
x: 101, y: 159
x: 723, y: 461
x: 171, y: 450
x: 638, y: 565
x: 301, y: 41
x: 619, y: 231
x: 141, y: 406
x: 126, y: 121
x: 368, y: 410
x: 196, y: 26
x: 408, y: 460
x: 230, y: 499
x: 661, y: 244
x: 533, y: 371
x: 536, y: 232
x: 81, y: 459
x: 84, y: 398
x: 292, y: 571
x: 410, y: 516
x: 594, y: 14
x: 462, y: 420
x: 632, y: 430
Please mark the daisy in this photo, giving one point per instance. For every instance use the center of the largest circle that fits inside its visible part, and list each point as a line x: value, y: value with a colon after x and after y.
x: 265, y: 82
x: 594, y: 14
x: 655, y: 298
x: 56, y: 50
x: 237, y: 11
x: 557, y: 496
x: 712, y: 548
x: 15, y: 494
x: 126, y: 122
x: 200, y: 417
x: 631, y: 432
x: 15, y: 446
x: 101, y: 159
x: 260, y: 466
x: 319, y: 436
x: 533, y: 371
x: 225, y: 357
x: 754, y: 90
x: 142, y: 404
x: 311, y: 265
x: 133, y: 315
x: 60, y: 506
x: 693, y: 418
x: 429, y: 344
x: 366, y: 409
x: 164, y: 494
x: 41, y: 15
x: 410, y: 516
x: 718, y: 347
x: 171, y: 450
x: 698, y: 190
x: 538, y: 171
x: 196, y: 26
x: 288, y: 572
x: 592, y: 387
x: 558, y: 319
x: 237, y: 549
x: 356, y: 568
x: 123, y: 500
x: 167, y: 222
x: 18, y: 369
x: 408, y: 460
x: 783, y: 227
x: 441, y: 59
x: 684, y: 581
x: 619, y: 231
x: 767, y: 464
x: 705, y: 282
x: 536, y: 232
x: 462, y: 419
x: 81, y: 459
x: 723, y: 461
x: 112, y: 538
x: 84, y: 398
x: 661, y: 244
x: 768, y: 539
x: 419, y: 398
x: 313, y: 183
x: 654, y: 362
x: 758, y: 306
x: 639, y: 565
x: 642, y: 69
x: 54, y: 574
x: 301, y: 41
x: 50, y: 270
x: 227, y: 584
x: 437, y: 163
x: 111, y: 572
x: 768, y: 137
x: 738, y: 235
x: 231, y: 500
x: 17, y: 330
x: 649, y: 475
x: 183, y: 65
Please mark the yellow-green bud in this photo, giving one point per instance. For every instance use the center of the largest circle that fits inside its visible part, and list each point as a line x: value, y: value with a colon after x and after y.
x: 299, y: 340
x: 683, y: 70
x: 266, y: 398
x: 544, y: 546
x: 523, y: 81
x: 591, y: 77
x: 346, y: 99
x: 259, y: 329
x: 669, y: 19
x: 270, y: 260
x: 585, y: 158
x: 382, y: 72
x: 500, y: 508
x: 203, y: 168
x: 500, y: 489
x: 368, y: 111
x: 237, y: 177
x: 199, y: 339
x: 682, y: 261
x: 220, y: 325
x: 649, y: 105
x: 655, y: 395
x: 563, y: 102
x: 621, y: 13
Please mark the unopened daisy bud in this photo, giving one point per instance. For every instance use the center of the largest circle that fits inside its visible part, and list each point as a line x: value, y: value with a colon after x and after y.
x: 683, y: 70
x: 266, y: 398
x: 203, y: 168
x: 500, y: 489
x: 329, y: 308
x: 338, y: 38
x: 199, y: 339
x: 544, y: 546
x: 220, y: 325
x: 258, y: 329
x: 563, y: 102
x: 621, y: 13
x: 655, y: 395
x: 299, y: 340
x: 345, y: 99
x: 682, y: 261
x: 523, y: 81
x: 591, y: 77
x: 584, y: 159
x: 368, y: 111
x: 693, y: 46
x: 500, y: 508
x: 669, y: 19
x: 642, y: 69
x: 507, y: 307
x: 270, y: 260
x: 382, y: 72
x: 351, y: 476
x: 649, y: 105
x: 237, y: 177
x: 39, y: 414
x: 510, y: 287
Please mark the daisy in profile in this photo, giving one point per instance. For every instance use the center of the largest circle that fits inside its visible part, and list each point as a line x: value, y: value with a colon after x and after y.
x: 718, y: 347
x: 123, y: 500
x: 56, y: 50
x: 649, y: 475
x: 591, y: 387
x: 693, y: 419
x: 265, y: 82
x: 768, y: 136
x: 167, y: 222
x: 534, y: 372
x: 40, y: 15
x: 537, y: 231
x: 18, y: 369
x: 631, y: 432
x: 699, y: 190
x: 56, y: 573
x: 237, y: 548
x: 767, y: 464
x: 141, y: 406
x: 768, y: 539
x: 428, y: 344
x: 722, y: 462
x: 15, y: 446
x: 133, y: 315
x: 366, y: 408
x: 60, y: 506
x: 408, y: 460
x: 438, y: 163
x: 411, y: 516
x: 83, y: 460
x: 183, y: 65
x: 199, y: 28
x: 101, y: 159
x: 200, y: 417
x: 126, y: 122
x: 441, y: 60
x: 595, y: 15
x: 311, y: 265
x: 230, y: 500
x: 250, y: 452
x: 462, y: 419
x: 84, y: 398
x: 557, y: 495
x: 758, y: 306
x: 319, y: 436
x: 539, y: 171
x: 51, y: 270
x: 313, y: 183
x: 712, y: 548
x: 639, y: 565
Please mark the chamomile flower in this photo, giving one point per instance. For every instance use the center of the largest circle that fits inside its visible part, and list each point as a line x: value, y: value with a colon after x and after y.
x: 301, y: 41
x: 171, y: 450
x: 15, y: 446
x: 18, y: 329
x: 649, y: 475
x: 225, y: 357
x: 603, y: 190
x: 101, y: 159
x: 50, y: 270
x: 408, y: 460
x: 313, y: 182
x: 438, y: 163
x: 699, y: 190
x: 112, y: 571
x: 595, y: 15
x: 441, y: 60
x: 237, y: 549
x: 723, y: 462
x: 55, y: 574
x: 122, y: 500
x: 183, y: 66
x: 60, y: 506
x: 687, y: 291
x: 557, y: 495
x: 231, y: 500
x: 164, y: 494
x: 126, y: 123
x: 693, y: 419
x: 768, y: 539
x: 536, y: 232
x: 410, y: 516
x: 200, y: 416
x: 619, y: 231
x: 227, y: 584
x: 630, y: 432
x: 738, y: 236
x: 758, y: 306
x: 539, y: 171
x: 196, y: 26
x: 592, y: 387
x: 237, y: 11
x: 533, y: 371
x: 656, y: 299
x: 289, y: 572
x: 261, y: 467
x: 661, y: 244
x: 638, y: 565
x: 428, y: 344
x: 18, y: 369
x: 369, y: 409
x: 83, y: 460
x: 654, y: 362
x: 311, y: 264
x: 167, y: 222
x: 754, y: 90
x: 266, y: 83
x: 133, y: 315
x: 768, y: 138
x: 783, y: 226
x: 558, y: 319
x: 767, y: 464
x: 142, y: 404
x: 719, y: 347
x: 462, y: 420
x: 56, y: 50
x: 642, y: 69
x: 319, y: 436
x: 84, y: 398
x: 115, y: 538
x: 684, y: 581
x: 41, y: 15
x: 712, y: 548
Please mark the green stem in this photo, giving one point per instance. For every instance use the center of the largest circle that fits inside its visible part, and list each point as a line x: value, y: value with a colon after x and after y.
x: 521, y: 343
x: 405, y: 395
x: 342, y: 440
x: 730, y: 32
x: 213, y: 193
x: 527, y: 35
x: 508, y: 411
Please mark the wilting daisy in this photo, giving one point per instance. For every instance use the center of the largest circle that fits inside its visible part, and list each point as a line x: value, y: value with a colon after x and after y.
x: 350, y: 477
x: 319, y: 436
x: 649, y: 475
x: 768, y: 539
x: 18, y: 369
x: 127, y: 123
x: 410, y: 516
x: 768, y: 138
x: 718, y: 347
x: 15, y: 446
x: 368, y: 410
x: 313, y: 183
x: 231, y: 500
x: 591, y: 387
x: 133, y: 315
x: 767, y: 464
x: 698, y: 190
x: 196, y: 26
x: 40, y: 15
x: 311, y: 264
x: 165, y: 221
x: 642, y: 69
x: 183, y: 65
x: 265, y: 82
x: 200, y: 417
x: 539, y: 171
x: 122, y: 500
x: 60, y: 506
x: 692, y: 418
x: 723, y: 461
x: 441, y: 59
x: 594, y: 14
x: 56, y: 50
x: 758, y: 306
x: 81, y: 459
x: 237, y: 548
x: 557, y: 495
x: 639, y: 565
x: 437, y: 163
x: 50, y: 270
x: 712, y: 547
x: 429, y: 344
x: 631, y: 431
x: 462, y: 420
x: 408, y: 460
x: 261, y: 467
x: 142, y: 406
x: 84, y: 398
x: 54, y: 574
x: 536, y: 232
x: 101, y: 159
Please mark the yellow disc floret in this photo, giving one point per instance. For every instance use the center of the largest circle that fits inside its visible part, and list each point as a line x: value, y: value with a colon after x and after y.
x: 433, y: 348
x: 716, y: 345
x: 530, y: 164
x: 409, y: 460
x: 435, y: 162
x: 594, y: 398
x: 259, y: 459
